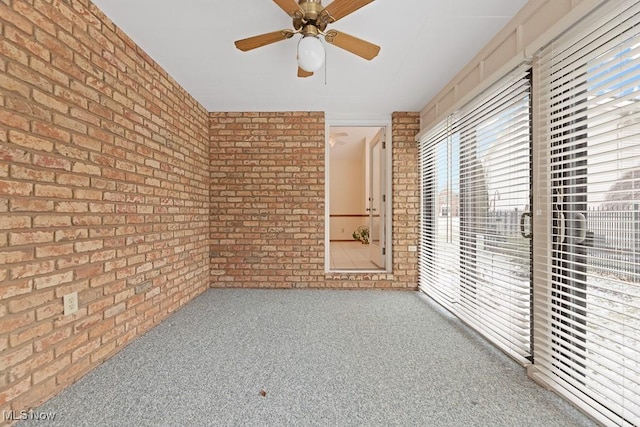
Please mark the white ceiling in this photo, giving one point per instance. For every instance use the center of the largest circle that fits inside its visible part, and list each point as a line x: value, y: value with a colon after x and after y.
x: 424, y: 44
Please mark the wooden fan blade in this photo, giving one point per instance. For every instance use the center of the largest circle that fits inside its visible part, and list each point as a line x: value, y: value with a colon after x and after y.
x: 263, y: 40
x: 304, y: 74
x: 360, y: 47
x: 341, y: 8
x: 291, y: 7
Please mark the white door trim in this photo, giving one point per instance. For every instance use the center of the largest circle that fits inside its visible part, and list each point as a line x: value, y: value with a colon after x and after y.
x: 355, y: 122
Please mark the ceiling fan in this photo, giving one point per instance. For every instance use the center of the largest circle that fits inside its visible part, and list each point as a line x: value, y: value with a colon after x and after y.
x: 310, y: 18
x: 336, y: 138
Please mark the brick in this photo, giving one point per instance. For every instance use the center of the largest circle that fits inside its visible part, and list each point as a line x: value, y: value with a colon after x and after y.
x: 14, y: 357
x: 31, y: 301
x: 28, y: 74
x: 69, y: 45
x: 29, y: 174
x: 32, y: 269
x: 15, y: 256
x: 84, y: 141
x: 100, y: 329
x: 70, y: 344
x: 54, y: 251
x: 16, y: 19
x: 45, y: 343
x: 49, y: 310
x: 14, y: 390
x: 116, y: 332
x: 51, y: 220
x: 9, y: 290
x: 11, y: 51
x: 25, y: 368
x: 116, y: 309
x: 29, y: 12
x: 50, y: 131
x: 30, y: 237
x: 76, y: 370
x: 59, y: 12
x: 88, y: 246
x: 87, y: 169
x: 73, y: 180
x: 85, y: 349
x: 86, y: 322
x: 51, y: 162
x: 102, y: 279
x: 53, y: 74
x: 14, y: 85
x: 52, y: 369
x: 14, y: 154
x: 13, y: 322
x: 53, y: 191
x: 89, y: 271
x: 103, y: 352
x: 71, y: 207
x: 70, y: 152
x: 17, y: 338
x: 31, y: 205
x: 53, y: 280
x: 14, y: 222
x: 71, y: 234
x: 71, y: 97
x: 87, y: 220
x: 69, y: 123
x: 15, y: 188
x: 87, y: 91
x: 25, y: 110
x: 25, y: 41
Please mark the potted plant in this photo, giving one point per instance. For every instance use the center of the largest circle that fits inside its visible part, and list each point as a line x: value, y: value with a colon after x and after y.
x: 362, y: 234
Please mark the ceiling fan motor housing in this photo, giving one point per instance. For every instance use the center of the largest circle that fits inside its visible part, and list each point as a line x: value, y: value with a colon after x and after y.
x: 313, y: 21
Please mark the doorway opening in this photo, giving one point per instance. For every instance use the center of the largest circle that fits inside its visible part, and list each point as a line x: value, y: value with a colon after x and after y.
x: 358, y: 198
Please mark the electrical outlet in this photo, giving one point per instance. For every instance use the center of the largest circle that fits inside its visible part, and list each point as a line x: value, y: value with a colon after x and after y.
x: 70, y: 303
x: 413, y: 249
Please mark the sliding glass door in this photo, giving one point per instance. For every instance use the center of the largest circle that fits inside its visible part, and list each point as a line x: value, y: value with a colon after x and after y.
x: 476, y: 180
x: 588, y: 277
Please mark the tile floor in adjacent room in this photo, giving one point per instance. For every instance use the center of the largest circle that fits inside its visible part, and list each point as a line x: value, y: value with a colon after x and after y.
x: 350, y: 256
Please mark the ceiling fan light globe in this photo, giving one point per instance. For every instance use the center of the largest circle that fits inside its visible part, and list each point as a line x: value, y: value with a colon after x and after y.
x: 310, y: 53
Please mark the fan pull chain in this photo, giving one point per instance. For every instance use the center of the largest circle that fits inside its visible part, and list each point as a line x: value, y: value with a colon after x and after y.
x: 325, y: 69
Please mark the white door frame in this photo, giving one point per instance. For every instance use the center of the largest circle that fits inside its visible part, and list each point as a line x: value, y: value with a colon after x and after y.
x: 385, y: 123
x: 376, y: 252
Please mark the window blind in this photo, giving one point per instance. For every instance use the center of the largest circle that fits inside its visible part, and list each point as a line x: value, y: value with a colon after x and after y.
x: 439, y: 265
x: 475, y: 255
x: 587, y: 259
x: 495, y: 248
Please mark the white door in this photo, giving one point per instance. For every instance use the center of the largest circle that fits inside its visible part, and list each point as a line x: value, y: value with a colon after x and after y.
x: 377, y: 199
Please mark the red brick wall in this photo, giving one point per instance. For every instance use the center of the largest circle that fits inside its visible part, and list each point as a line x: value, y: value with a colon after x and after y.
x: 406, y: 197
x: 104, y: 190
x: 268, y: 203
